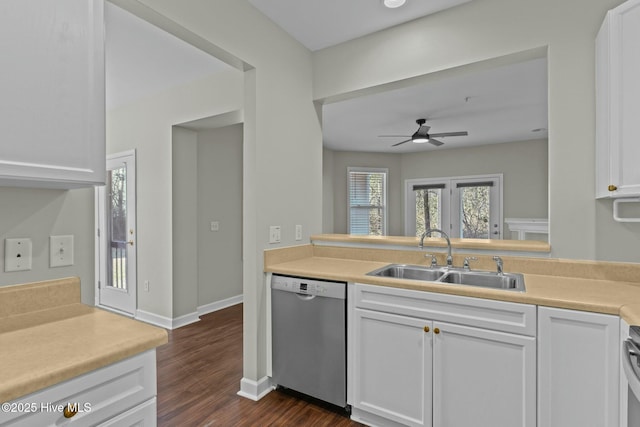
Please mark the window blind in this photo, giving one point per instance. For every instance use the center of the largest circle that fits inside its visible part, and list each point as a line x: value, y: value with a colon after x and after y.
x: 367, y: 197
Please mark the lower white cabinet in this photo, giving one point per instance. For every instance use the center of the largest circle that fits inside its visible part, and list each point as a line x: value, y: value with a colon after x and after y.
x: 122, y: 394
x: 578, y: 368
x: 423, y: 371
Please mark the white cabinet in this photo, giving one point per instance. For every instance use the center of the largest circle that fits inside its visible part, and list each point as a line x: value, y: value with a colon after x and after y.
x: 121, y: 394
x: 52, y: 112
x: 618, y: 102
x: 579, y: 368
x: 423, y: 359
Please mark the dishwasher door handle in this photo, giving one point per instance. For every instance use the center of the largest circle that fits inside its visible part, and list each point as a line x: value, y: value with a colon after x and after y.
x: 305, y: 297
x: 629, y: 349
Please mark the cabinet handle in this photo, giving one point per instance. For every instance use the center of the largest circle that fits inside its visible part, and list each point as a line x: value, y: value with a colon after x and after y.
x: 436, y: 330
x: 426, y: 329
x: 70, y: 411
x: 612, y: 188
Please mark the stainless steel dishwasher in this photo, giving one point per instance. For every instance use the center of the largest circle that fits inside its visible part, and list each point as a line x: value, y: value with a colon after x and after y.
x: 309, y: 329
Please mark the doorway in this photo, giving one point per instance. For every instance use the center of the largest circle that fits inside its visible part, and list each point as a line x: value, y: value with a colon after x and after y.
x: 116, y: 235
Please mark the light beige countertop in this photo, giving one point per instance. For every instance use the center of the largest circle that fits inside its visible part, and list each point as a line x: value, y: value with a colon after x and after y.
x: 581, y: 285
x: 47, y: 336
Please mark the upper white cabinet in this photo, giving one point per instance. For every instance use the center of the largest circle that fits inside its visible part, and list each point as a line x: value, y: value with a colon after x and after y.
x: 52, y: 110
x: 618, y: 103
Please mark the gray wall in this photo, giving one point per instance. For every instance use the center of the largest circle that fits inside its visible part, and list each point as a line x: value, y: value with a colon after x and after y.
x: 38, y: 214
x: 523, y: 165
x: 219, y: 199
x: 580, y: 226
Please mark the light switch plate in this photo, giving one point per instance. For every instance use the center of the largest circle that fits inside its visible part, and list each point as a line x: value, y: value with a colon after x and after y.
x: 60, y: 251
x: 274, y: 234
x: 17, y: 254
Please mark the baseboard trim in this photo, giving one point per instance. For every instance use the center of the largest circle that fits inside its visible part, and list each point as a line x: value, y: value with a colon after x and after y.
x: 219, y: 305
x: 166, y: 322
x: 255, y: 390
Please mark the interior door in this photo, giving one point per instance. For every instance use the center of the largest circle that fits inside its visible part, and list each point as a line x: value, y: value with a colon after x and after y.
x: 116, y: 236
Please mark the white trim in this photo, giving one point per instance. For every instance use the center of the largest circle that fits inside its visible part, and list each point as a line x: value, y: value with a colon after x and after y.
x: 255, y: 390
x: 185, y: 320
x: 114, y: 310
x: 219, y: 305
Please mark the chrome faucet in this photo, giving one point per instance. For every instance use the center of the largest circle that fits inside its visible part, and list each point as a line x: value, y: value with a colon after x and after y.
x: 498, y: 261
x: 443, y: 234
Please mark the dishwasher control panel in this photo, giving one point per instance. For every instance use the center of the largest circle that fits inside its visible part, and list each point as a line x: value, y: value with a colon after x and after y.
x: 303, y: 286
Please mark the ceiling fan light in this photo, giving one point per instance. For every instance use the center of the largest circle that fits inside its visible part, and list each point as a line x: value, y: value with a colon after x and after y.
x: 392, y: 4
x: 419, y: 139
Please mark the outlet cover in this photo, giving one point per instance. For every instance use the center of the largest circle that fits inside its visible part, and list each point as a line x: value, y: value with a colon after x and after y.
x: 60, y: 251
x: 17, y: 254
x: 274, y: 234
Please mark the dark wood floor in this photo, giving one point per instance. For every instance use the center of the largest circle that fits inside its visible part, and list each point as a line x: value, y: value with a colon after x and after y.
x: 199, y: 373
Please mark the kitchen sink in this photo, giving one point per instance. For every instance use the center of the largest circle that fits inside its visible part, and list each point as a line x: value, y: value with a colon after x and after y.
x: 478, y: 278
x: 486, y: 279
x: 413, y: 272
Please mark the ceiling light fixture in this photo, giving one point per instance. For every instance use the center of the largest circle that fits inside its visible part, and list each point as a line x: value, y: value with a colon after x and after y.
x: 392, y: 4
x: 419, y: 139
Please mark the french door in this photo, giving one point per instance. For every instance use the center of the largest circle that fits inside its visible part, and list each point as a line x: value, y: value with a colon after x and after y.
x: 116, y: 235
x: 464, y: 207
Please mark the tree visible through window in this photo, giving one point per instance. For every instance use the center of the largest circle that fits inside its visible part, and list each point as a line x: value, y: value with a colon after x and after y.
x: 367, y: 201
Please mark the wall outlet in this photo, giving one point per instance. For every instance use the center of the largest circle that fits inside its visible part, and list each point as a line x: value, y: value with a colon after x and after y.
x: 60, y: 251
x: 215, y: 225
x: 274, y: 234
x: 298, y: 232
x: 17, y: 254
x: 146, y: 286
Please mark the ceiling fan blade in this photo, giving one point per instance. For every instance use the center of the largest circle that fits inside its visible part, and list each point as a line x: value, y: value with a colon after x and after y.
x: 442, y: 135
x: 423, y: 130
x: 393, y: 136
x: 435, y: 142
x: 401, y: 142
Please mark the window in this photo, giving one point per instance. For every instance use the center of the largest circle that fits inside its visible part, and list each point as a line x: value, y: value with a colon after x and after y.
x: 465, y: 207
x: 367, y: 193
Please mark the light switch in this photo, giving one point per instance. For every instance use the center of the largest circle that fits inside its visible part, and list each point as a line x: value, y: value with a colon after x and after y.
x: 60, y: 251
x: 17, y: 254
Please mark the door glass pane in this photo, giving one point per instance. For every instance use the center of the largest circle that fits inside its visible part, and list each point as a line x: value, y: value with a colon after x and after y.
x: 117, y: 205
x: 474, y: 212
x: 428, y: 209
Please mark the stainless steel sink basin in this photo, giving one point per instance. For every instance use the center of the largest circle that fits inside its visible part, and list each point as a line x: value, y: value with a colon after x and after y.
x: 486, y: 279
x: 413, y: 272
x: 479, y: 278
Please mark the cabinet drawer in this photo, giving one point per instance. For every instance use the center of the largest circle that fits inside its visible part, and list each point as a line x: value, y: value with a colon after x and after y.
x: 482, y: 313
x: 99, y: 395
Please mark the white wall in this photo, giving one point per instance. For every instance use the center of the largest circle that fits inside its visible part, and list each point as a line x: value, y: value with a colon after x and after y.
x: 282, y: 152
x: 38, y: 214
x: 523, y: 165
x: 580, y: 227
x: 147, y: 126
x: 219, y: 199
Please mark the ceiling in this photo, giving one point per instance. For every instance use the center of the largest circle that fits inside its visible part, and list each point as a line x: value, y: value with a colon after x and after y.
x: 321, y: 23
x: 500, y: 104
x: 142, y: 59
x: 494, y: 104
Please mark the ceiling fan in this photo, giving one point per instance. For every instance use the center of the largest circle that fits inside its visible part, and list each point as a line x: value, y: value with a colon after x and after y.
x: 422, y: 135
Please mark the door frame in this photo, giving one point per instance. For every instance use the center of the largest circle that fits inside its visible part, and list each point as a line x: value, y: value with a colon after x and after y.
x: 101, y: 250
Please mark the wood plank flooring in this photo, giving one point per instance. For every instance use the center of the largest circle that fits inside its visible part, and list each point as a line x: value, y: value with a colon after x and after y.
x: 199, y: 373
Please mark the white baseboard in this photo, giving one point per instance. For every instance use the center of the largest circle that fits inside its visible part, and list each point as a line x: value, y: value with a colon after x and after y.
x: 219, y: 305
x: 166, y: 322
x: 255, y: 390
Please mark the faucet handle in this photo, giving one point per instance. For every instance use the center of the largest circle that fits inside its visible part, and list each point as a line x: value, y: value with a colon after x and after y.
x: 498, y: 261
x: 465, y: 265
x: 434, y: 261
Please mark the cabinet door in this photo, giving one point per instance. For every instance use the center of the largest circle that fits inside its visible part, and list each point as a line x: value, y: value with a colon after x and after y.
x: 618, y: 102
x: 578, y: 371
x: 52, y: 105
x: 483, y: 378
x: 392, y: 377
